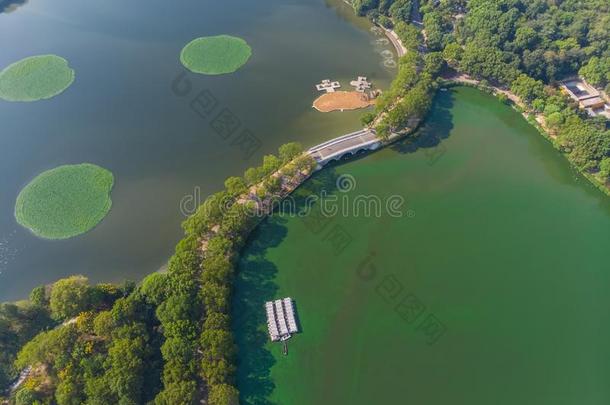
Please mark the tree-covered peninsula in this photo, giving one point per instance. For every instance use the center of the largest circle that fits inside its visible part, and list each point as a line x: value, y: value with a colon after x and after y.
x: 167, y: 340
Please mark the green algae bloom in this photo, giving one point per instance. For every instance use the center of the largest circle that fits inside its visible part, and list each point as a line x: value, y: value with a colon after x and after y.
x: 35, y: 78
x: 66, y: 201
x: 215, y: 55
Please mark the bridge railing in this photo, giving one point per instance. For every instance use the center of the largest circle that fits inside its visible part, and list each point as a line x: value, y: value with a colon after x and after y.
x: 322, y: 159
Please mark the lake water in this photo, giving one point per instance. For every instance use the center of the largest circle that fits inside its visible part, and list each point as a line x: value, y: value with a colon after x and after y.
x: 121, y: 113
x: 490, y: 289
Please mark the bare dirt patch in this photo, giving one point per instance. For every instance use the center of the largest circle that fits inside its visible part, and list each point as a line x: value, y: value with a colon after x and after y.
x: 342, y: 100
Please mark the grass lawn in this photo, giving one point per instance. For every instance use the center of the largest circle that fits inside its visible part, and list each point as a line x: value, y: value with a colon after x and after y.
x: 66, y: 201
x: 215, y: 55
x: 35, y: 78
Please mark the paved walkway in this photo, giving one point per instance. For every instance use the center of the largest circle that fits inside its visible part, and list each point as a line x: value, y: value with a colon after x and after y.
x: 364, y: 139
x: 401, y: 50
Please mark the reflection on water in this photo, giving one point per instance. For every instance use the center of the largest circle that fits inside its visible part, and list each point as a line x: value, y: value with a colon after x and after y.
x: 382, y: 42
x: 383, y: 48
x: 388, y: 59
x: 8, y: 6
x: 386, y: 54
x: 478, y: 254
x: 377, y: 31
x: 389, y: 63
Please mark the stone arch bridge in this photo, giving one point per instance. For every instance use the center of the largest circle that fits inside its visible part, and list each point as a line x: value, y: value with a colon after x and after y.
x: 346, y: 145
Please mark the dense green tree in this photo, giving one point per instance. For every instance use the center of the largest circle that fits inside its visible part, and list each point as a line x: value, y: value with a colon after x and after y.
x: 38, y: 297
x: 433, y: 63
x: 104, y: 324
x: 126, y: 364
x: 597, y: 71
x: 235, y: 185
x: 154, y: 288
x: 527, y: 88
x: 486, y: 62
x: 223, y: 394
x: 19, y: 323
x: 176, y: 307
x: 216, y: 320
x: 215, y: 296
x: 525, y: 38
x: 217, y: 344
x: 25, y: 396
x: 217, y: 371
x: 217, y: 268
x: 554, y: 119
x: 289, y: 151
x: 410, y: 37
x: 400, y: 10
x: 69, y: 297
x: 105, y: 294
x: 253, y: 175
x: 364, y: 6
x: 385, y: 22
x: 435, y: 31
x: 68, y: 392
x: 367, y: 118
x: 179, y: 393
x: 98, y: 392
x: 271, y: 164
x: 452, y: 54
x: 52, y: 347
x: 586, y: 145
x: 220, y: 245
x: 273, y: 184
x: 604, y: 168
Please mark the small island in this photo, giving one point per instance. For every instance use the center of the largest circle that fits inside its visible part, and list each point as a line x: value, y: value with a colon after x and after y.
x: 342, y: 100
x: 35, y: 78
x: 334, y: 100
x: 66, y: 201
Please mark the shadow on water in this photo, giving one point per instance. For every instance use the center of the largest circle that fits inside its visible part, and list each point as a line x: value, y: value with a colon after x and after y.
x: 8, y: 6
x: 437, y: 126
x: 255, y: 284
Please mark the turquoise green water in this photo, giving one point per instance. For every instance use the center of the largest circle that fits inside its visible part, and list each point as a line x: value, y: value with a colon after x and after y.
x: 502, y: 247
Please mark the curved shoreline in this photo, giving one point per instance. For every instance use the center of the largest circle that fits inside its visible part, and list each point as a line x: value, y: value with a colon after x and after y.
x: 267, y: 204
x: 202, y: 252
x: 401, y: 50
x: 536, y: 120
